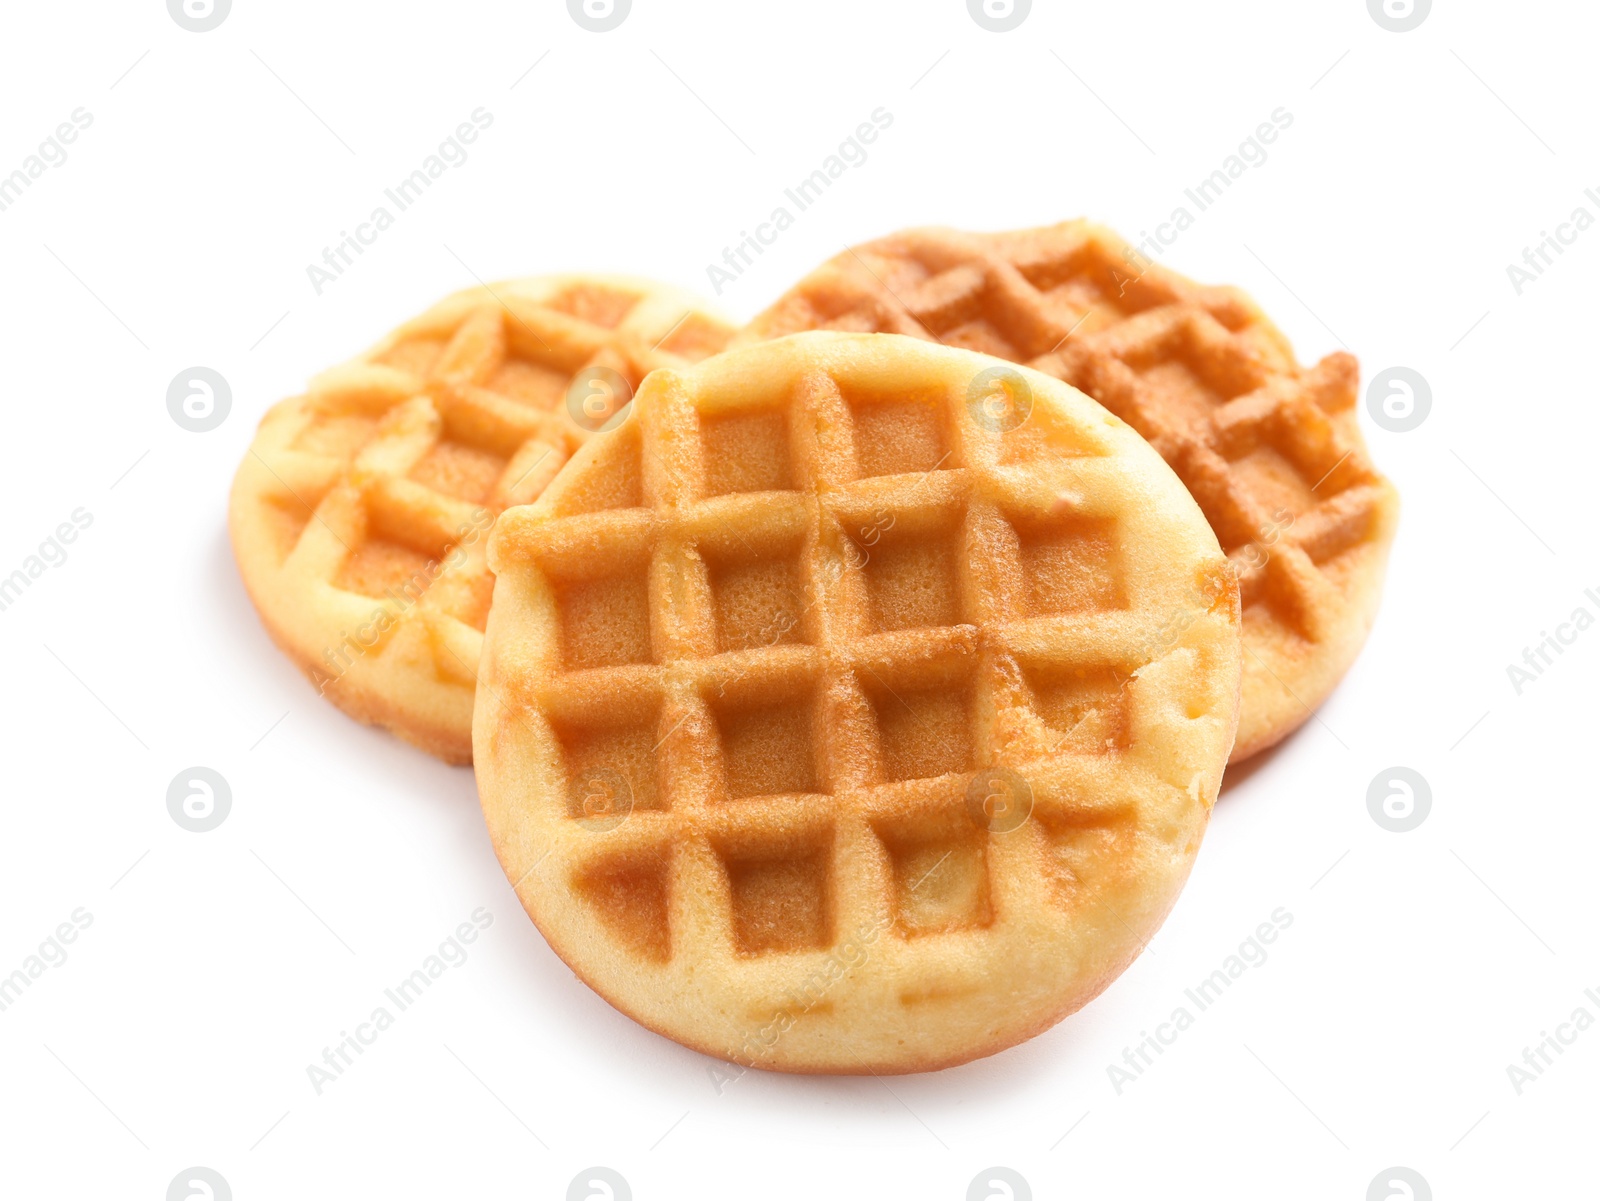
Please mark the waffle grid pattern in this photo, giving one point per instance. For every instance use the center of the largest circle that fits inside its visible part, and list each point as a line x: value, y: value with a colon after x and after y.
x: 795, y: 672
x: 377, y: 489
x: 1270, y: 452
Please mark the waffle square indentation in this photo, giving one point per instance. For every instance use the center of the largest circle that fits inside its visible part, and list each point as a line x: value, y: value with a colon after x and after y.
x: 610, y: 768
x: 781, y: 900
x: 286, y: 518
x: 629, y: 894
x: 768, y: 750
x: 337, y: 435
x: 913, y: 579
x: 596, y: 304
x: 922, y: 732
x: 899, y: 436
x: 757, y: 601
x: 380, y: 566
x: 459, y: 470
x: 530, y: 383
x: 416, y: 356
x: 1084, y: 851
x: 694, y: 337
x: 1085, y: 708
x: 746, y: 452
x: 605, y: 621
x: 940, y: 875
x: 1070, y: 565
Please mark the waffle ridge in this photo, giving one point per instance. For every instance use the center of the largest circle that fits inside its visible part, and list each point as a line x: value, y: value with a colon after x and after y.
x: 360, y: 514
x: 942, y: 600
x: 1270, y: 451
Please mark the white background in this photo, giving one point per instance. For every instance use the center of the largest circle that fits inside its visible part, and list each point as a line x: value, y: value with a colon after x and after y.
x: 218, y: 966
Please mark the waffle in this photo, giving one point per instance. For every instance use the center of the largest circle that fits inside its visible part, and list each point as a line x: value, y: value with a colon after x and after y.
x: 1271, y: 451
x: 360, y: 515
x: 833, y: 717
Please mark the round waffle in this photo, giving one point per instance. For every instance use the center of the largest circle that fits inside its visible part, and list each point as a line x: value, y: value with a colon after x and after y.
x: 360, y: 515
x: 1271, y: 451
x: 856, y: 705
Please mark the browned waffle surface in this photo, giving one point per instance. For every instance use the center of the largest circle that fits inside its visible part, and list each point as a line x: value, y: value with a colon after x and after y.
x: 1271, y: 451
x: 856, y: 705
x: 360, y: 514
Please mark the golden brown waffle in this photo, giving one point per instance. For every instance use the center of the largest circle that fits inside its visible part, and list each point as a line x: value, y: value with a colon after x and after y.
x: 834, y: 716
x: 1271, y: 451
x: 360, y: 515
